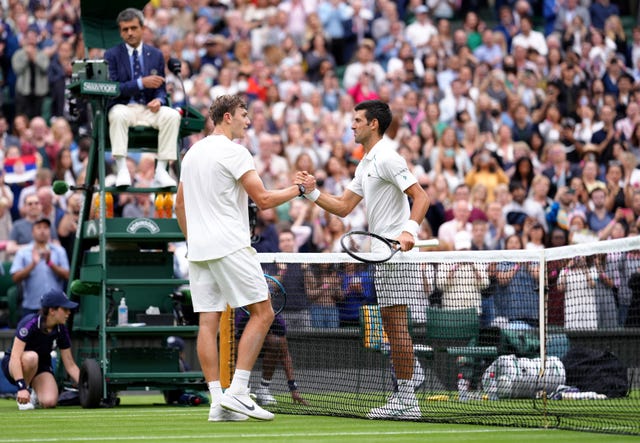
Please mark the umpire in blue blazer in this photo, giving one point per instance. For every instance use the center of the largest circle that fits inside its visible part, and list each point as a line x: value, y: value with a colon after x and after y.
x: 139, y: 68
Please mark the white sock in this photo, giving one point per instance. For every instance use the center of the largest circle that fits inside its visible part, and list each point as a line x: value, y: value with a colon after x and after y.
x: 265, y: 382
x: 161, y: 165
x: 240, y: 382
x: 405, y: 391
x: 215, y: 389
x: 121, y: 163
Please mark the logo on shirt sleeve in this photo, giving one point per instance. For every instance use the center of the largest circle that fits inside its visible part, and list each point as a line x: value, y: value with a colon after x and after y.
x: 23, y: 332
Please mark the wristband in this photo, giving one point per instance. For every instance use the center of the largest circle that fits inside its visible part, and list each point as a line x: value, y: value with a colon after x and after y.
x: 293, y: 386
x: 412, y: 227
x: 21, y: 384
x: 313, y: 195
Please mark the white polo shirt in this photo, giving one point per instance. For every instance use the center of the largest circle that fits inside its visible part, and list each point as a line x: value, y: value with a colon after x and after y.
x: 381, y: 179
x: 216, y: 204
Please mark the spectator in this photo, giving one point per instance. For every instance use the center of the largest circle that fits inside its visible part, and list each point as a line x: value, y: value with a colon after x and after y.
x: 39, y: 266
x: 600, y: 11
x: 489, y: 51
x: 565, y: 17
x: 333, y: 14
x: 421, y: 30
x: 21, y: 231
x: 364, y: 62
x: 31, y: 66
x: 520, y: 207
x: 462, y: 282
x: 487, y: 171
x: 578, y: 281
x: 517, y: 295
x: 460, y: 222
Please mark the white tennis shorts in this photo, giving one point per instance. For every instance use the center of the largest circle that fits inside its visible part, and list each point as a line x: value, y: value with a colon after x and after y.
x: 236, y: 280
x: 388, y: 281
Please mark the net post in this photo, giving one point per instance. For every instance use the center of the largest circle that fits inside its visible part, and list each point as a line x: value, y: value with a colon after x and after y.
x: 227, y: 347
x: 542, y: 330
x: 542, y: 311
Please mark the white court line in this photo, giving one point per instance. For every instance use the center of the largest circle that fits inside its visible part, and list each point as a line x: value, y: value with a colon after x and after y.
x: 264, y: 435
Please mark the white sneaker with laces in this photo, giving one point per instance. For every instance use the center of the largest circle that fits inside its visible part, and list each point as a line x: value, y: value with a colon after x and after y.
x: 217, y: 413
x: 396, y: 409
x: 163, y: 179
x: 264, y: 397
x: 244, y: 404
x: 123, y: 178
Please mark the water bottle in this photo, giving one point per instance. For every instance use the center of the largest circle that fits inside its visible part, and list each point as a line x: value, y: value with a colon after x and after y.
x: 123, y: 313
x: 463, y: 388
x: 492, y: 387
x: 189, y: 399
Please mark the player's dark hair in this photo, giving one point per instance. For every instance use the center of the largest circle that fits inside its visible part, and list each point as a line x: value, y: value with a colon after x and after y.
x: 224, y: 104
x: 130, y: 14
x: 376, y: 109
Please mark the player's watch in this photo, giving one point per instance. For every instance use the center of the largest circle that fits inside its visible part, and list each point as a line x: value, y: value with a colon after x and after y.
x: 302, y: 190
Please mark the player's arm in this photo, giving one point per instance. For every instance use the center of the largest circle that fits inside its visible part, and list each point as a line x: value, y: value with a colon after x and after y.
x: 180, y: 214
x: 418, y: 211
x: 15, y: 369
x: 70, y: 365
x: 338, y: 205
x: 287, y: 363
x: 262, y: 197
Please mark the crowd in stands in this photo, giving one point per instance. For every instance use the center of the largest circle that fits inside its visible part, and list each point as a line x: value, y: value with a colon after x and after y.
x: 527, y: 123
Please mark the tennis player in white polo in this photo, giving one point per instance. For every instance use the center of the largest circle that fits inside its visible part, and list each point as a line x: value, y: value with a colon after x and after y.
x: 217, y: 178
x: 383, y: 180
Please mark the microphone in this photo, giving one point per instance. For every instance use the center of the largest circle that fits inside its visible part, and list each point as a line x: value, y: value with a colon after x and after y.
x: 175, y: 66
x: 61, y: 187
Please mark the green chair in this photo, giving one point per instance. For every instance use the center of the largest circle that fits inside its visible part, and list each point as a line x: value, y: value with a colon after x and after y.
x: 454, y: 334
x: 375, y: 339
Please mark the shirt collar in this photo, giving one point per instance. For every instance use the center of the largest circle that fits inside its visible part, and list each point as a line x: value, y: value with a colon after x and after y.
x: 131, y: 48
x: 381, y: 144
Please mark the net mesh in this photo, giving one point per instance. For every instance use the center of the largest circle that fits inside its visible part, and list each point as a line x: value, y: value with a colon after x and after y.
x: 528, y: 338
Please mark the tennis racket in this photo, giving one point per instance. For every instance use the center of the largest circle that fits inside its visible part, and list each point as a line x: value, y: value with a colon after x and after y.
x: 277, y: 294
x: 368, y: 247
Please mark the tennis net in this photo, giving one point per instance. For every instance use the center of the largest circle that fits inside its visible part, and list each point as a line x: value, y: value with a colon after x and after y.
x: 544, y: 338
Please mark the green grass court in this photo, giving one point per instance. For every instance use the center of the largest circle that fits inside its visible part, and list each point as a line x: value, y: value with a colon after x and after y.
x: 144, y: 418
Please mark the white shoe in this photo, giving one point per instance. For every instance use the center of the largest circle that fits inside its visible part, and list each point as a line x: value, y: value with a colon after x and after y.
x: 244, y: 404
x: 264, y: 397
x: 34, y: 398
x: 418, y: 375
x: 217, y: 413
x: 396, y: 409
x: 123, y: 178
x: 163, y: 179
x: 25, y: 407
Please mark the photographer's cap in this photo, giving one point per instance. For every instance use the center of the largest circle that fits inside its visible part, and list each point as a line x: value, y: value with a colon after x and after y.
x: 55, y: 298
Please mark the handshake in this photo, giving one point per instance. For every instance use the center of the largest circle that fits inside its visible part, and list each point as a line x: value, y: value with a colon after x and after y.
x: 307, y: 185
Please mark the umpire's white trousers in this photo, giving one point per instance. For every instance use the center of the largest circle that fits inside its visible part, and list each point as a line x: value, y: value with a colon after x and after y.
x: 166, y: 121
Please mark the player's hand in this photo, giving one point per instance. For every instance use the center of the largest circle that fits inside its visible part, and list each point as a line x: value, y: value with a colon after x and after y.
x: 297, y: 398
x: 406, y: 241
x: 307, y: 180
x: 152, y: 81
x: 23, y: 396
